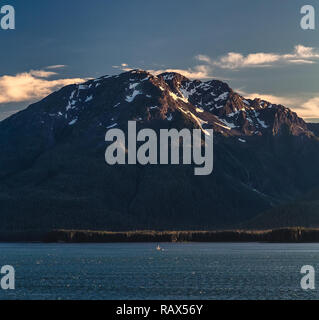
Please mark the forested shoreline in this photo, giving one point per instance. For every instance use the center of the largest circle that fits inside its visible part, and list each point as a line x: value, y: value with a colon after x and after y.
x: 277, y: 235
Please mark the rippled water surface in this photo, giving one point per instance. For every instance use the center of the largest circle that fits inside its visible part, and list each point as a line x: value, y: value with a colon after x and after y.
x: 139, y: 271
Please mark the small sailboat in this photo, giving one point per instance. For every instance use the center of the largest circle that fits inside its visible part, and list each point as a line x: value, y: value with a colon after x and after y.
x: 158, y: 248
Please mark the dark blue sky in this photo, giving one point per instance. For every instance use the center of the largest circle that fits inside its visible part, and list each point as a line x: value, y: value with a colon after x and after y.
x: 90, y: 37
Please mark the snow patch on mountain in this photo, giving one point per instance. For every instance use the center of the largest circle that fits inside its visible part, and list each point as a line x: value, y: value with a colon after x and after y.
x: 112, y: 126
x: 131, y: 97
x: 223, y: 96
x: 228, y: 124
x: 73, y: 122
x: 176, y: 97
x: 89, y: 98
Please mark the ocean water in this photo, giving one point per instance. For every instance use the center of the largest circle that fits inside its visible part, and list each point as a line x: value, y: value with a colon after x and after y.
x: 139, y: 271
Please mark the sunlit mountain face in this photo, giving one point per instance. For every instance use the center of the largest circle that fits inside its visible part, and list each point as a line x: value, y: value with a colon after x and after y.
x: 53, y: 172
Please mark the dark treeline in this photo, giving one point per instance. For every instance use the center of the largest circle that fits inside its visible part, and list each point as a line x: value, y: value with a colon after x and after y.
x: 295, y: 234
x: 279, y: 235
x: 26, y: 236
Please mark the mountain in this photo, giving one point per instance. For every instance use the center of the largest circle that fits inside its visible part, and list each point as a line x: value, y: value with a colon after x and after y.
x: 304, y: 211
x: 53, y: 174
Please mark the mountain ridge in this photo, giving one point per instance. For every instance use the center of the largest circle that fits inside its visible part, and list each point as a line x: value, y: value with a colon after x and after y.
x: 215, y: 100
x: 53, y: 174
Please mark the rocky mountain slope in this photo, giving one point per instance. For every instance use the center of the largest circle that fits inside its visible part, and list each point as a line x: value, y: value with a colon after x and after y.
x: 53, y: 172
x: 303, y: 211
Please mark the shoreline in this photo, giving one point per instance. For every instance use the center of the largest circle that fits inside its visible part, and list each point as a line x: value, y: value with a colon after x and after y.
x: 289, y: 235
x: 282, y: 235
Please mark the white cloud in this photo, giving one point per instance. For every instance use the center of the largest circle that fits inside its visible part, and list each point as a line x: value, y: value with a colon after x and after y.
x: 304, y: 106
x: 57, y: 66
x: 123, y: 66
x: 283, y: 100
x: 42, y: 73
x: 31, y: 86
x: 310, y: 109
x: 303, y: 52
x: 203, y: 58
x: 197, y: 72
x: 234, y: 60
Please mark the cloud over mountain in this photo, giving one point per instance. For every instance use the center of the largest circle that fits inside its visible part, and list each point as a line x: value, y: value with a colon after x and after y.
x: 31, y: 85
x: 235, y: 60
